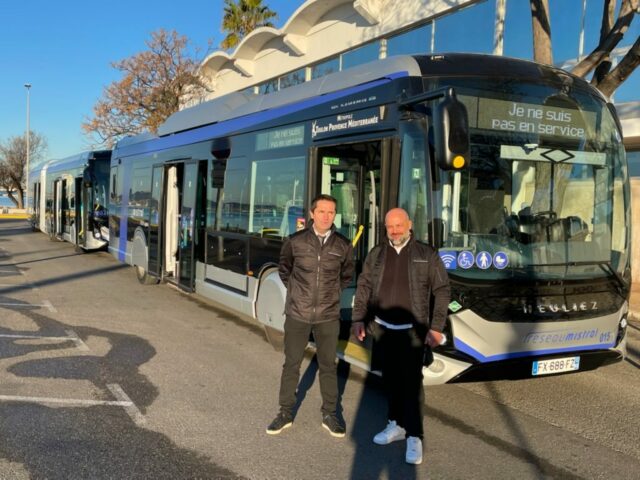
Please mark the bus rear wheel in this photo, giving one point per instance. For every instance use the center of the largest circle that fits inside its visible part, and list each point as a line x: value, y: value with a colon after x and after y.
x: 143, y: 276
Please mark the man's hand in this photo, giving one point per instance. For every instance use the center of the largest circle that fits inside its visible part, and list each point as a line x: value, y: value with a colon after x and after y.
x: 434, y: 338
x: 358, y: 330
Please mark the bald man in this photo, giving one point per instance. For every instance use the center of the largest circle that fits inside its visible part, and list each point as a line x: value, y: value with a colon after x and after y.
x: 400, y: 280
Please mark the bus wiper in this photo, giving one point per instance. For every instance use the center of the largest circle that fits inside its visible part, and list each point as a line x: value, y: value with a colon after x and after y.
x: 606, y: 267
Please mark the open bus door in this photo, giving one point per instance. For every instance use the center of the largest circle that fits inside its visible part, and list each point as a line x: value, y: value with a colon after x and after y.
x: 355, y: 174
x: 172, y: 247
x: 80, y: 214
x: 352, y: 174
x: 58, y: 192
x: 154, y: 233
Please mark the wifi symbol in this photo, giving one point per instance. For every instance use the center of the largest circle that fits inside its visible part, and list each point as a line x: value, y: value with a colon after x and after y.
x: 449, y: 259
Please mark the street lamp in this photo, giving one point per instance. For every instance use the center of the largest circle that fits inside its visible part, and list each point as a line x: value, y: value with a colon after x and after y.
x: 28, y: 87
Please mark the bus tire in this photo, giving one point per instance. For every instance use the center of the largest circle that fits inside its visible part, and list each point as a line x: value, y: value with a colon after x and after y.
x: 143, y: 276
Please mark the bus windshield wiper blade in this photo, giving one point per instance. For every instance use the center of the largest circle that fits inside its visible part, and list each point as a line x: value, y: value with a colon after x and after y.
x: 606, y: 266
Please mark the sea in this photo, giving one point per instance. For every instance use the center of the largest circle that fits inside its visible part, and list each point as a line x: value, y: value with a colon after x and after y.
x: 6, y: 201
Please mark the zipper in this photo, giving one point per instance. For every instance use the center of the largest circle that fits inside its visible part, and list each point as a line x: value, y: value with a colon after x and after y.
x: 315, y: 293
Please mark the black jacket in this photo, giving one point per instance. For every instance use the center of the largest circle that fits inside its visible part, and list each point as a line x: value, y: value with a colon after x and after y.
x: 427, y: 279
x: 315, y: 275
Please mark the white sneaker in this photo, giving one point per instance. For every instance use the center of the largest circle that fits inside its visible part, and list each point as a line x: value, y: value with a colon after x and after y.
x: 414, y: 451
x: 392, y: 433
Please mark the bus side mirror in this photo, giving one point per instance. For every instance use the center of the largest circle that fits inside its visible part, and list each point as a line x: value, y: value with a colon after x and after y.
x: 451, y: 134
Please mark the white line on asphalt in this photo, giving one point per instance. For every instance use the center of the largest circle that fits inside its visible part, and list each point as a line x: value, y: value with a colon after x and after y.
x: 50, y: 306
x: 19, y: 285
x: 66, y: 401
x: 77, y: 340
x: 37, y: 337
x: 131, y: 409
x: 46, y: 304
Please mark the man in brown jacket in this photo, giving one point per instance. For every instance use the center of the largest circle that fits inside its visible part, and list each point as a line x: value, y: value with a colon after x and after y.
x: 316, y: 264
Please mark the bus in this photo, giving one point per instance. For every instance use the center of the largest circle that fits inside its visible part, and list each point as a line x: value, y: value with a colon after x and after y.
x: 69, y: 199
x: 515, y: 172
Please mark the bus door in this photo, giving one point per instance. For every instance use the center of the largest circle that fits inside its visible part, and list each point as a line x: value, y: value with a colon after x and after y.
x: 80, y: 220
x: 351, y: 173
x: 180, y: 223
x: 154, y: 233
x: 58, y: 192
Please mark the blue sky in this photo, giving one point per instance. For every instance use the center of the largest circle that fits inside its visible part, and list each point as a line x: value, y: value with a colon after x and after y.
x: 65, y: 49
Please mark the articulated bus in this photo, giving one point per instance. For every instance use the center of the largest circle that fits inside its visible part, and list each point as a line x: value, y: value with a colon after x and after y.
x: 69, y: 199
x: 514, y: 171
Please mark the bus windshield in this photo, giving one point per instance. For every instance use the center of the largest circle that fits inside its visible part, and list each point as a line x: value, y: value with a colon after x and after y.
x: 544, y: 196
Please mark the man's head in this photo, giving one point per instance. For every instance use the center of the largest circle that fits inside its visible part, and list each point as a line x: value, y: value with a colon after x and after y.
x: 398, y: 226
x: 323, y: 212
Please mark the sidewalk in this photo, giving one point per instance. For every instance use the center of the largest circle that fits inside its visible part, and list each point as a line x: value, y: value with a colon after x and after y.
x: 13, y: 213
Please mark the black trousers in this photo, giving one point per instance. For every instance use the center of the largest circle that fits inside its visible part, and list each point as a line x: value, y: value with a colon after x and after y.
x: 296, y: 337
x: 399, y: 356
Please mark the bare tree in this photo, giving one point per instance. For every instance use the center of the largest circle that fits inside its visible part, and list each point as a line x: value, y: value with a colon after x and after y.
x: 13, y: 159
x: 155, y: 83
x: 611, y: 33
x: 542, y: 51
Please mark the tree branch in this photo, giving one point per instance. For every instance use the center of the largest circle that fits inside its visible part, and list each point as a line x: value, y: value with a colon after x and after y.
x: 627, y: 11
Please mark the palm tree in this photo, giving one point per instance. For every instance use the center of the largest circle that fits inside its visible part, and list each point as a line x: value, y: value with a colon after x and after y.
x: 241, y: 17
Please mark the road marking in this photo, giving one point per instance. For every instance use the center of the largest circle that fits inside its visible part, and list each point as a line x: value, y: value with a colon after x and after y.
x: 77, y: 340
x: 19, y: 285
x: 46, y: 304
x: 73, y: 337
x: 66, y: 401
x: 130, y: 408
x: 41, y: 337
x: 49, y: 306
x: 123, y: 401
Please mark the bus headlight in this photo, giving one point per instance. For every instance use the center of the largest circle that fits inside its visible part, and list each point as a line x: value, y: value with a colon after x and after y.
x: 622, y: 329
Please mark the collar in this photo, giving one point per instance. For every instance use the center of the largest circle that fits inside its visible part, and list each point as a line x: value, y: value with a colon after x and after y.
x: 398, y: 248
x: 325, y: 235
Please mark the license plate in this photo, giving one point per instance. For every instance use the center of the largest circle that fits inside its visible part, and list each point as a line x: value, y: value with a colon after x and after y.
x: 556, y: 365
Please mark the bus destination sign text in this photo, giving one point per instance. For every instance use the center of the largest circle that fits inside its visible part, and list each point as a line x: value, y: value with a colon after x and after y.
x: 529, y: 118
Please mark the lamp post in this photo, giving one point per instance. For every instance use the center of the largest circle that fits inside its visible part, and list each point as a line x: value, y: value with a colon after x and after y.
x: 28, y: 134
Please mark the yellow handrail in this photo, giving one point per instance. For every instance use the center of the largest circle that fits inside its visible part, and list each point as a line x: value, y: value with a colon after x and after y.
x: 358, y: 235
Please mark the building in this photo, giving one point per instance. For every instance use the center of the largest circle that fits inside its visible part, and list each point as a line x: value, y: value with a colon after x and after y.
x: 324, y: 36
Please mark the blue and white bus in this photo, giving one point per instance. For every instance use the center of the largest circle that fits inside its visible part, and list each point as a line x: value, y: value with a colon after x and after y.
x: 69, y: 199
x: 514, y: 171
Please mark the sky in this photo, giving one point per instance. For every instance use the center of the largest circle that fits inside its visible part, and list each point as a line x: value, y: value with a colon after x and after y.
x: 65, y: 49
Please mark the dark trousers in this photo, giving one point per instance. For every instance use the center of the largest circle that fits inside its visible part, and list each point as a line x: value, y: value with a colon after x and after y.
x: 296, y: 337
x: 399, y: 356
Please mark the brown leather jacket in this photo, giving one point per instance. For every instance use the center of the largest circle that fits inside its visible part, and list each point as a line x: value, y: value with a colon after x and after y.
x: 315, y: 275
x: 427, y: 278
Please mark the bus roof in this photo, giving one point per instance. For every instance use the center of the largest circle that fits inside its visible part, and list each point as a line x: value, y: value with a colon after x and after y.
x: 235, y: 111
x: 75, y: 161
